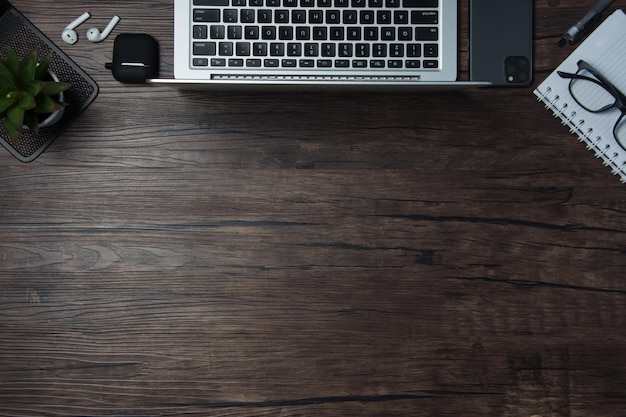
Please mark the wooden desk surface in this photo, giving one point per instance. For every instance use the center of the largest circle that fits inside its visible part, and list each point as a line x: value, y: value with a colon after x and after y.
x: 310, y: 254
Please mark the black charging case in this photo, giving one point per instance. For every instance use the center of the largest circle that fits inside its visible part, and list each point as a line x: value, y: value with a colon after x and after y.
x: 135, y: 58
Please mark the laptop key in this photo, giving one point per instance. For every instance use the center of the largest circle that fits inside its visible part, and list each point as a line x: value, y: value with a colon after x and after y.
x: 230, y: 15
x: 320, y: 33
x: 426, y: 34
x: 396, y: 50
x: 350, y: 17
x: 303, y: 33
x: 259, y: 49
x: 285, y: 33
x: 328, y: 50
x: 400, y: 17
x: 298, y: 16
x: 345, y: 50
x: 235, y: 32
x: 200, y: 32
x: 431, y: 50
x: 354, y: 33
x: 204, y: 48
x: 420, y: 3
x: 413, y: 63
x: 281, y: 16
x: 218, y: 31
x: 405, y: 33
x: 264, y: 16
x: 414, y: 50
x: 337, y: 33
x: 311, y: 49
x: 252, y: 32
x: 383, y: 17
x: 316, y: 16
x: 277, y: 49
x: 210, y: 2
x: 206, y: 15
x: 380, y: 50
x: 388, y: 34
x: 242, y: 48
x: 294, y: 49
x: 268, y: 32
x: 324, y: 63
x: 247, y: 16
x: 226, y: 49
x: 362, y: 50
x: 200, y: 62
x: 371, y: 34
x: 366, y: 17
x: 424, y: 17
x: 333, y: 16
x: 253, y: 62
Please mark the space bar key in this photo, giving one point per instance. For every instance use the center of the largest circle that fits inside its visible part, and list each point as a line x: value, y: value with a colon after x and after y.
x: 210, y: 2
x: 420, y: 3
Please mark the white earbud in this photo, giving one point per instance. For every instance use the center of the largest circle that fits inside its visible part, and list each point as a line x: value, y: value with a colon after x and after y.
x: 69, y: 35
x: 94, y: 34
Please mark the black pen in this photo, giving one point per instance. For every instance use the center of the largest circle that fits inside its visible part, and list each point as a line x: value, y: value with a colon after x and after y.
x: 575, y: 32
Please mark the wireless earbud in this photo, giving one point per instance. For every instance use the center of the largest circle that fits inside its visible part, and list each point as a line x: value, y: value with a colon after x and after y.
x: 94, y: 34
x: 69, y: 35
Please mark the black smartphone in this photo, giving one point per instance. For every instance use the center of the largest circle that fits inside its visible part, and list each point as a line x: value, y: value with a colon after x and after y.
x: 501, y: 42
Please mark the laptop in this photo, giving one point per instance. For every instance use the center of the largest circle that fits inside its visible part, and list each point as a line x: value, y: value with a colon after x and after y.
x: 316, y: 45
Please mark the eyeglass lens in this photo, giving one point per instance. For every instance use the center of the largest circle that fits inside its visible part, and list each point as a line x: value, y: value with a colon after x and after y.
x: 594, y: 97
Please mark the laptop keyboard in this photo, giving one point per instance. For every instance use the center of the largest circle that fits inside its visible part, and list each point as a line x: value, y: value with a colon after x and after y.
x: 316, y: 34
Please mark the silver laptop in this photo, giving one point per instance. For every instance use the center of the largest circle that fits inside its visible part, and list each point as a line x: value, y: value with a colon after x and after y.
x: 315, y: 44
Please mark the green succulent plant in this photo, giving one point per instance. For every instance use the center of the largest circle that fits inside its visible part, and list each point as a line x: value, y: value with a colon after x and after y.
x: 26, y: 91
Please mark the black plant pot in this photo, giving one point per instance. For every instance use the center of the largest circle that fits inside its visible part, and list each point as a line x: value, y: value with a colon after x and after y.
x: 22, y: 36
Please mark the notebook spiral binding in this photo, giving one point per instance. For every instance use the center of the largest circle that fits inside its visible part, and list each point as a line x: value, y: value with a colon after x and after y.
x: 576, y: 127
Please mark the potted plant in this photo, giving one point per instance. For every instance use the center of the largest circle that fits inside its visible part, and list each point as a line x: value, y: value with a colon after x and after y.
x: 31, y: 96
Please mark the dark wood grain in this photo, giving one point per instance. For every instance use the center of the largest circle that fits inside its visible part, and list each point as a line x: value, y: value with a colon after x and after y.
x: 330, y: 254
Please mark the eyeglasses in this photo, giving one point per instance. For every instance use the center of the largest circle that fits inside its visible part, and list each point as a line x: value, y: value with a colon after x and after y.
x: 596, y: 94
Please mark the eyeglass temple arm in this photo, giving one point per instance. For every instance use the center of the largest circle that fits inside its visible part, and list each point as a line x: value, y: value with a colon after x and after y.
x: 570, y: 75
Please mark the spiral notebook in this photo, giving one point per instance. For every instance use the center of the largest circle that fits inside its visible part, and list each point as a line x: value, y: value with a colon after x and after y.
x: 605, y: 50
